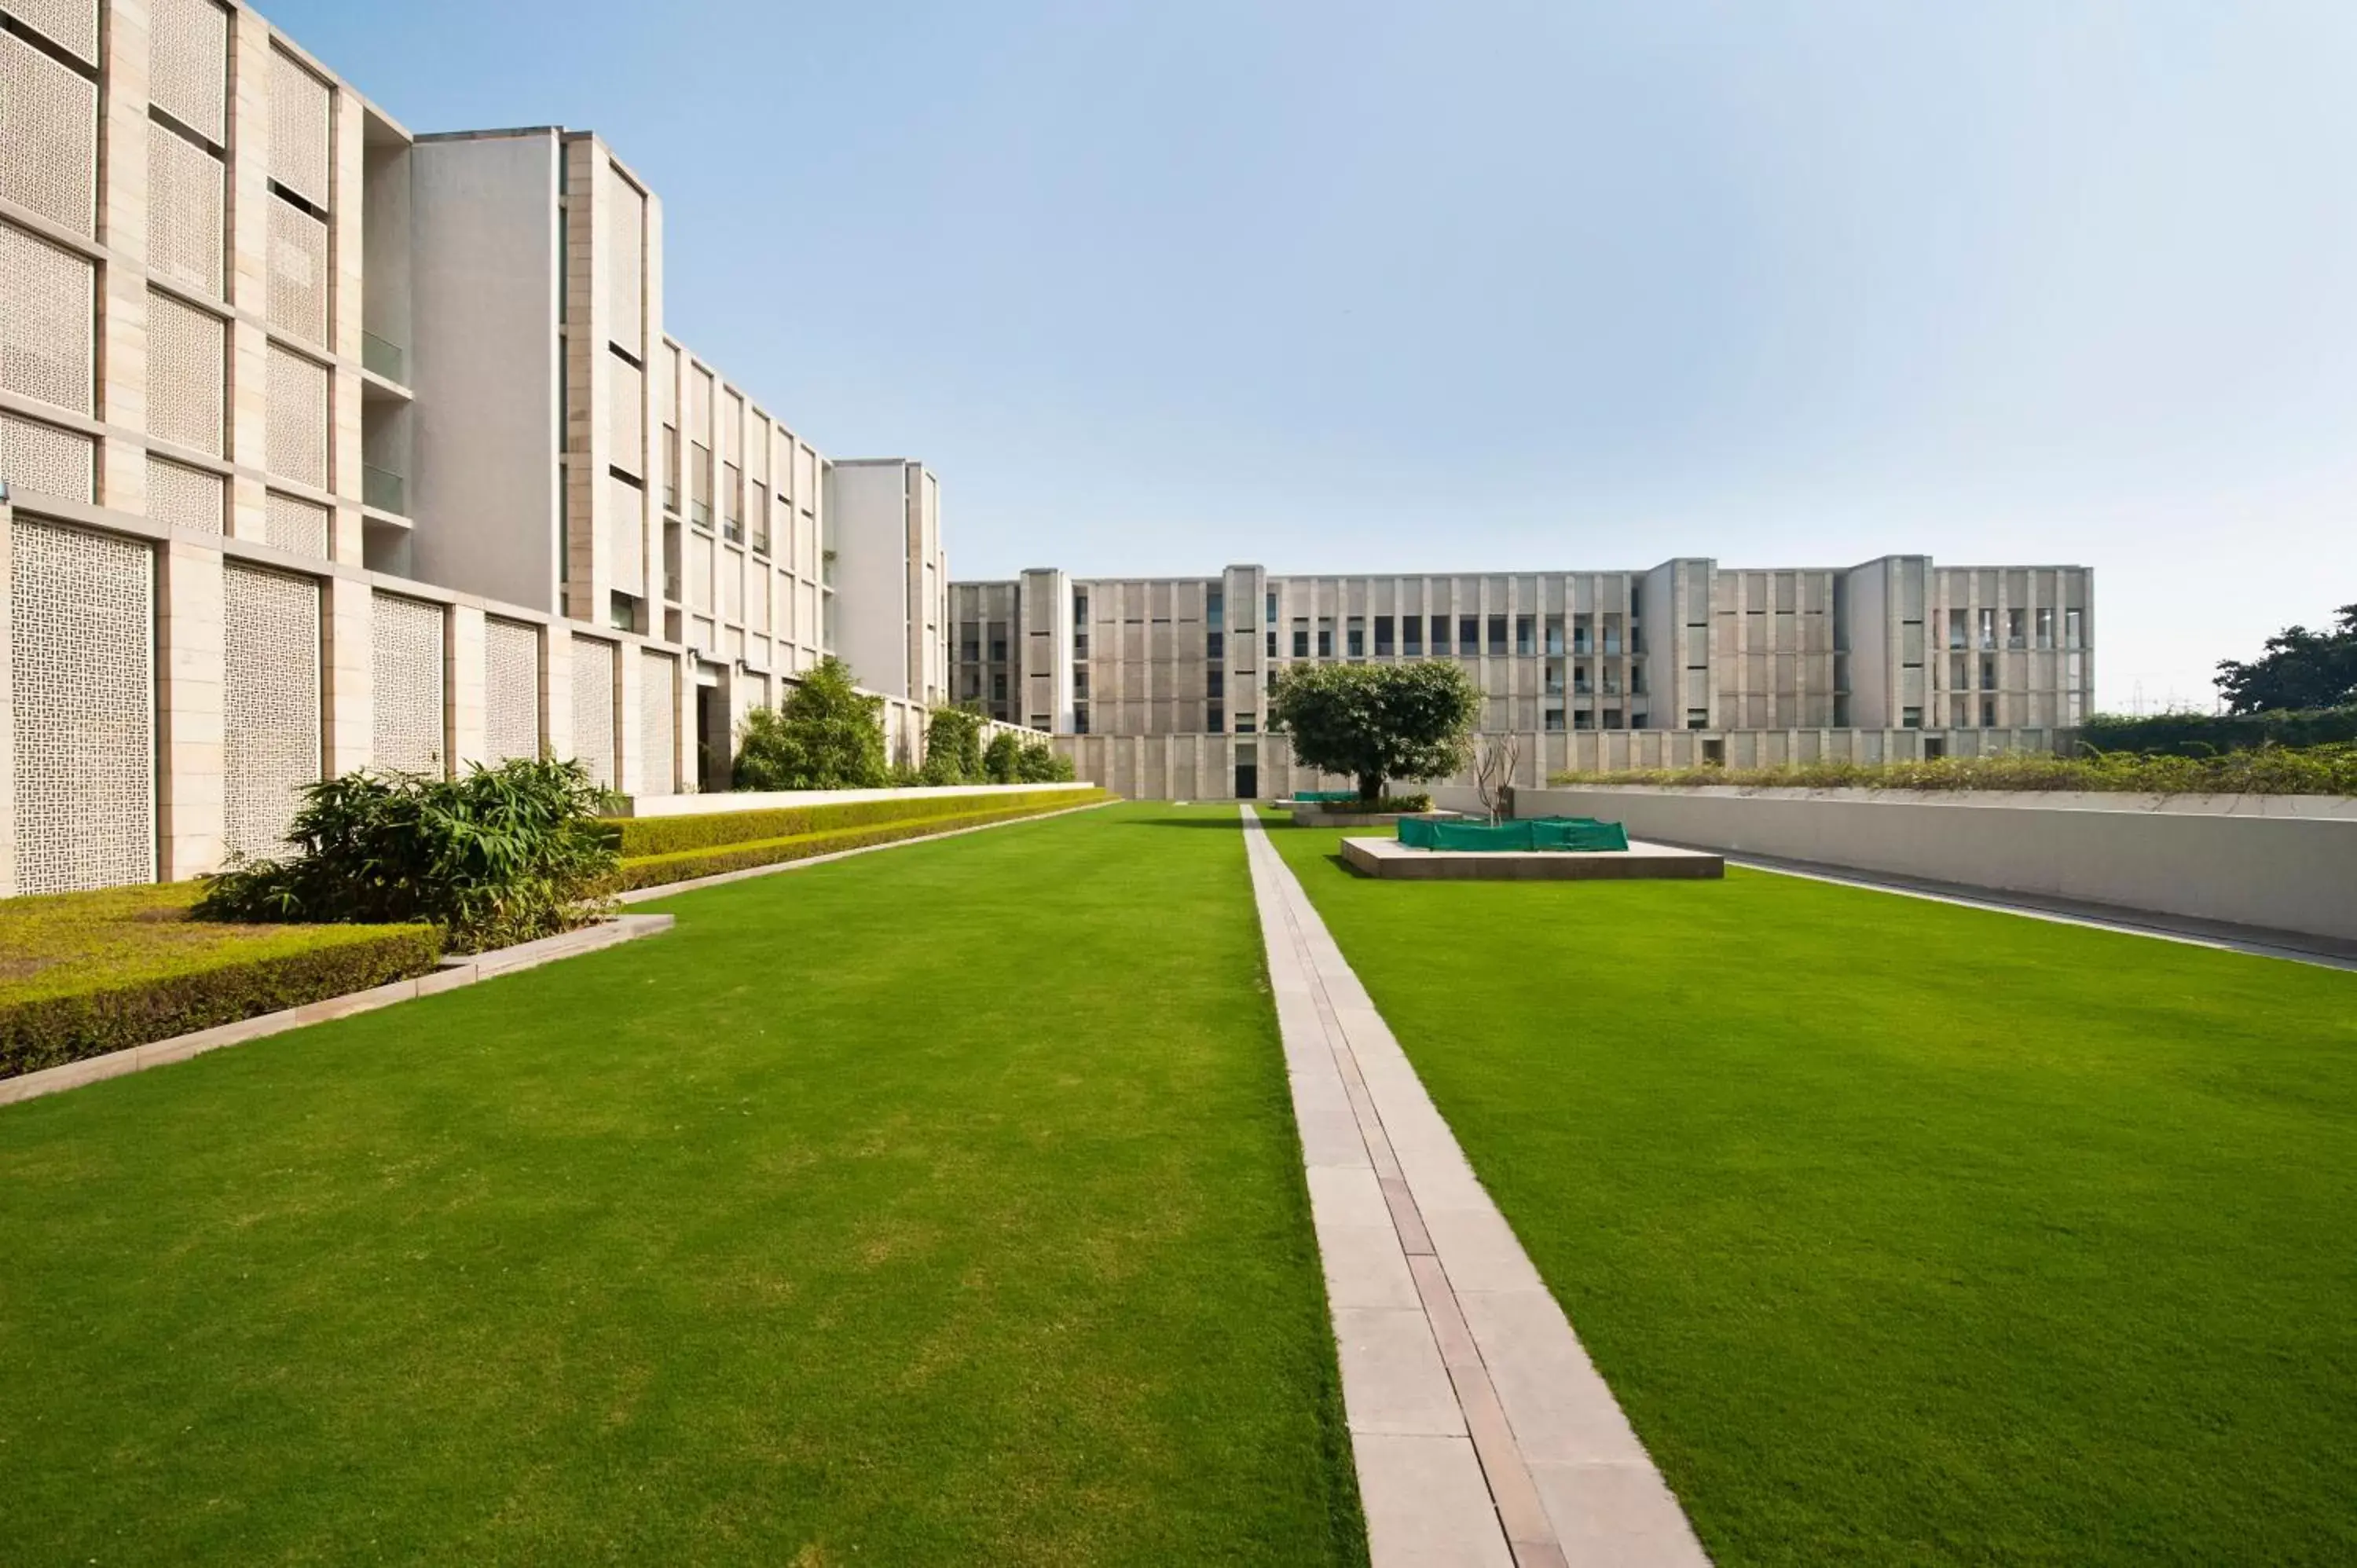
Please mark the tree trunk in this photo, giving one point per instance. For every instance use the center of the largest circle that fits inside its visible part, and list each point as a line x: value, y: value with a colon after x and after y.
x: 1371, y: 788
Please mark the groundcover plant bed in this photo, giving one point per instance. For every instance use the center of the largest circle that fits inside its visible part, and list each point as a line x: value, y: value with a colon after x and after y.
x: 941, y: 1207
x: 736, y: 840
x: 2263, y: 771
x: 1910, y: 1233
x: 85, y: 973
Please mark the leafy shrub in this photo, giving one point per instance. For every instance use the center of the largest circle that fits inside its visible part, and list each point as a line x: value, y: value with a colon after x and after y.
x: 2268, y: 770
x: 1037, y: 763
x: 1380, y: 805
x: 502, y: 856
x: 954, y: 747
x: 657, y: 870
x: 1375, y: 721
x: 1002, y: 759
x: 828, y: 735
x: 635, y: 838
x: 2205, y: 735
x: 93, y: 972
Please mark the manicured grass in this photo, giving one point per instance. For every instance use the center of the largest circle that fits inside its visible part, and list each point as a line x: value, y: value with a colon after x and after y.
x: 941, y: 1206
x: 1906, y: 1232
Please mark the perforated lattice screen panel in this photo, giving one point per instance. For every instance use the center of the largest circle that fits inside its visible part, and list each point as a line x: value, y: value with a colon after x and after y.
x: 658, y: 707
x: 298, y: 130
x: 183, y: 210
x: 49, y: 136
x: 47, y: 311
x: 187, y: 58
x: 593, y: 707
x: 71, y: 25
x: 294, y: 524
x: 185, y: 497
x: 295, y: 440
x: 626, y: 213
x: 81, y: 661
x: 511, y: 690
x: 185, y: 349
x: 270, y: 702
x: 406, y: 639
x: 42, y: 457
x: 298, y: 274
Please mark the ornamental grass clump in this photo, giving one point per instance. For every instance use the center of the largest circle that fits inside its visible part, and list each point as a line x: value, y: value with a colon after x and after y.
x: 502, y: 856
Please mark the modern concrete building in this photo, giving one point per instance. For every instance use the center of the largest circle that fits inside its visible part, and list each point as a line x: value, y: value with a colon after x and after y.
x: 333, y: 446
x: 1160, y: 686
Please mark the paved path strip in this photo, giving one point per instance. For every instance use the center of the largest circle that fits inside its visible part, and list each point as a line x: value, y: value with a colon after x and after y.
x: 1482, y: 1433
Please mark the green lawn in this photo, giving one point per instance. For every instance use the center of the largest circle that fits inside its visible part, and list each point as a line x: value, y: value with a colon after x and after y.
x: 1906, y: 1232
x: 941, y: 1206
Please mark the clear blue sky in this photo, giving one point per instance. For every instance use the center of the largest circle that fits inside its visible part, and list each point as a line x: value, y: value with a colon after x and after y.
x: 1370, y: 286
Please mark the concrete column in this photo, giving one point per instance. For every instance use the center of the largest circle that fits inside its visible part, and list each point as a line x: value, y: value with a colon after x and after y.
x: 351, y: 687
x: 555, y: 692
x: 191, y: 798
x: 249, y: 277
x: 462, y: 680
x: 123, y: 390
x: 629, y: 772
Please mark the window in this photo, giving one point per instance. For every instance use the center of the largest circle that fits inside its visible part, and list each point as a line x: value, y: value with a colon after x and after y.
x: 1497, y: 637
x: 1215, y: 609
x: 1468, y: 634
x: 1989, y: 713
x: 2071, y: 628
x: 1554, y: 635
x: 1412, y: 631
x: 1440, y: 634
x: 969, y: 648
x: 1080, y: 682
x: 1956, y: 633
x: 1910, y: 718
x: 1215, y: 645
x: 998, y: 686
x: 1271, y: 607
x: 2017, y: 629
x: 1355, y: 633
x: 1039, y: 721
x: 1214, y: 720
x: 1272, y: 642
x: 1384, y: 646
x: 1526, y: 629
x: 1245, y: 724
x: 1841, y: 710
x: 1301, y: 637
x: 1080, y: 718
x: 1215, y: 684
x: 1989, y: 672
x: 1583, y: 719
x: 1554, y: 719
x: 1989, y: 628
x: 2045, y: 629
x: 1613, y: 718
x: 1324, y: 636
x: 1698, y: 718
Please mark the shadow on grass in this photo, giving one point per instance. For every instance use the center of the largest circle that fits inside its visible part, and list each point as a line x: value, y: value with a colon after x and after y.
x: 1219, y: 824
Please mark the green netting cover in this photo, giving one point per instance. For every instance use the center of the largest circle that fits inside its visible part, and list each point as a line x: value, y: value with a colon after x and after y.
x: 1529, y: 834
x: 1325, y: 794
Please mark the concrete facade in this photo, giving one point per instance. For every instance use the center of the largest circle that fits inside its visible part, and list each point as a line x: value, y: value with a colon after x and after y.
x: 1894, y: 657
x: 331, y: 445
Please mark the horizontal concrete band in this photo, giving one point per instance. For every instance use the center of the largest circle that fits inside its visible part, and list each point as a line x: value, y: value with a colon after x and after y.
x: 452, y: 974
x: 2255, y: 862
x: 723, y: 801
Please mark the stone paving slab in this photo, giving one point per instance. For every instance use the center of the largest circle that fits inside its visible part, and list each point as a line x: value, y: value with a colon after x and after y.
x: 1482, y: 1433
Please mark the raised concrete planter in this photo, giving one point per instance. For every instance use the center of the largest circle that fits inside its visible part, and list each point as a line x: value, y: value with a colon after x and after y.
x: 2267, y: 863
x: 448, y: 975
x: 1393, y: 861
x: 1319, y: 817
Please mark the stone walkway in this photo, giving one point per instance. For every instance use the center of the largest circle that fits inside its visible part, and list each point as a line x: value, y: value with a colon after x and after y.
x: 1483, y: 1436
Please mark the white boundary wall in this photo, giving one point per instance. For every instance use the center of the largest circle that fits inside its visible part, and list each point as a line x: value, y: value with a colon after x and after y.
x: 2282, y: 863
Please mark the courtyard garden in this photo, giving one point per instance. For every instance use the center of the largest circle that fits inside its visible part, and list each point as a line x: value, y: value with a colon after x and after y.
x: 1907, y: 1232
x: 936, y: 1206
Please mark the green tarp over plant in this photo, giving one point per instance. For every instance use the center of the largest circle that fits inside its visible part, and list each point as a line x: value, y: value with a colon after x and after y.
x: 1530, y: 833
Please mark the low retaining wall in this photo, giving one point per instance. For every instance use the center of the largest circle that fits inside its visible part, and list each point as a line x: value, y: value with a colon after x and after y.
x: 2276, y: 862
x: 775, y: 799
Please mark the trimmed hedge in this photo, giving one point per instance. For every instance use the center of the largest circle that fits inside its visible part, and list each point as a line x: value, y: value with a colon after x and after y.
x: 636, y: 838
x: 2204, y: 735
x: 683, y: 865
x: 102, y: 972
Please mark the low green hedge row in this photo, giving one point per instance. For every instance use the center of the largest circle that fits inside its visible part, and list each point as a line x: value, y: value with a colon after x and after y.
x: 635, y: 838
x: 683, y: 865
x: 109, y: 1013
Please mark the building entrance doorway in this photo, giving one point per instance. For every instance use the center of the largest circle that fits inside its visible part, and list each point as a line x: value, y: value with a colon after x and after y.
x: 714, y: 743
x: 1247, y: 771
